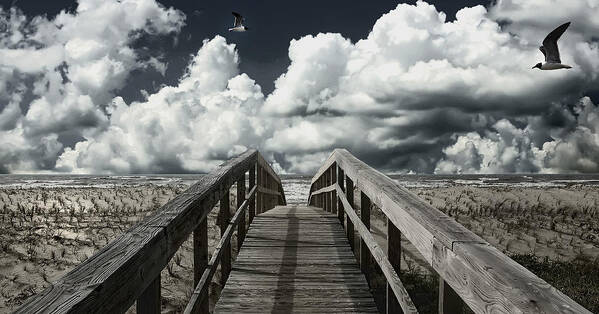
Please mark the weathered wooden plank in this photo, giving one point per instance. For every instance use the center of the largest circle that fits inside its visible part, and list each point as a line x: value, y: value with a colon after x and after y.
x: 349, y: 225
x: 449, y: 300
x: 325, y: 189
x: 259, y: 202
x: 341, y: 184
x: 494, y: 282
x: 240, y: 199
x: 268, y: 191
x: 112, y: 279
x: 380, y: 257
x: 418, y: 220
x: 365, y: 217
x: 200, y: 258
x: 266, y: 166
x: 433, y: 232
x: 284, y: 274
x: 251, y: 184
x: 334, y: 192
x: 394, y: 256
x: 149, y: 301
x: 201, y: 289
x: 225, y: 216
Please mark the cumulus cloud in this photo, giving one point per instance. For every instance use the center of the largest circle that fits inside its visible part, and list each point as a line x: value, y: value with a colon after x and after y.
x: 419, y: 93
x: 64, y: 71
x: 209, y: 116
x: 417, y: 82
x: 507, y: 148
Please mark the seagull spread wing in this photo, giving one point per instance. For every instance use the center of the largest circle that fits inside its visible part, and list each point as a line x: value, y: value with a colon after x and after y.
x: 238, y: 19
x: 549, y: 48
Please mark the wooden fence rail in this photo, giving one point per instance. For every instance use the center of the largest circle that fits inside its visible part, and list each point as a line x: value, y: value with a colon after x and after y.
x: 128, y: 268
x: 470, y: 270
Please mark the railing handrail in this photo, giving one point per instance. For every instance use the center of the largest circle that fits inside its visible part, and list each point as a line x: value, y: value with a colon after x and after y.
x: 483, y: 277
x: 120, y: 273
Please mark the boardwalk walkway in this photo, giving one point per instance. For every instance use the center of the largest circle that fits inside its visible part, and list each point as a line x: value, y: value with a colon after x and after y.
x: 296, y: 259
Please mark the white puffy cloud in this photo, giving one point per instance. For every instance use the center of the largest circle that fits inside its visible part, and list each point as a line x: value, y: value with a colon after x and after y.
x: 209, y: 116
x: 71, y: 64
x: 401, y: 95
x: 507, y: 148
x: 420, y: 93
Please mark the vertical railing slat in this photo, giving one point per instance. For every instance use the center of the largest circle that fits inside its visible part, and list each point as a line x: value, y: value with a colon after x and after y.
x: 225, y: 214
x: 341, y: 182
x: 258, y: 193
x: 349, y: 192
x: 200, y: 258
x: 251, y: 184
x: 449, y: 300
x: 240, y: 200
x: 334, y: 193
x: 394, y: 256
x: 364, y: 251
x: 149, y: 301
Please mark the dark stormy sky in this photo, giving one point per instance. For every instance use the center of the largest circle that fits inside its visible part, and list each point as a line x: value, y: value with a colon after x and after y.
x: 144, y: 86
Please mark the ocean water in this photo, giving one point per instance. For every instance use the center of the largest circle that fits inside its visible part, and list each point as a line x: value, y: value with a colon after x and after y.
x: 297, y: 186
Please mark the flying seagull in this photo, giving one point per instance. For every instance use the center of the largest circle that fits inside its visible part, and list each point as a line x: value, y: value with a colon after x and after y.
x: 551, y: 52
x: 238, y: 26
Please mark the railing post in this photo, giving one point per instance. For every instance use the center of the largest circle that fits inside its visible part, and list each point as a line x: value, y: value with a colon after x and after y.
x: 200, y: 258
x: 262, y: 195
x: 364, y: 251
x: 334, y: 193
x: 149, y: 301
x: 349, y: 192
x: 268, y: 202
x: 251, y: 184
x: 225, y: 214
x: 258, y: 193
x: 317, y: 197
x: 327, y: 199
x: 341, y: 182
x: 394, y: 256
x: 449, y: 300
x: 240, y: 200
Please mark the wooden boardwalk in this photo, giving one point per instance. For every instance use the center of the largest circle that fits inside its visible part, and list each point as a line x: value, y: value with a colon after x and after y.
x: 296, y: 259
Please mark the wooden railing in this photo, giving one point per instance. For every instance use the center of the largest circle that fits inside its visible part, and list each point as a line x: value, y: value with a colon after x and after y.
x: 470, y: 270
x: 128, y: 269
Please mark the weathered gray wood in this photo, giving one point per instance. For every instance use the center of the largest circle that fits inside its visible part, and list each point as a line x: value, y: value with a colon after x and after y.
x: 394, y: 256
x: 490, y: 277
x: 251, y: 184
x: 449, y: 301
x: 334, y: 192
x: 269, y: 192
x: 365, y: 217
x: 379, y: 257
x: 441, y: 241
x: 113, y: 278
x: 259, y: 183
x: 324, y: 190
x: 149, y: 301
x: 286, y: 274
x: 200, y: 292
x: 341, y: 184
x: 200, y: 258
x: 268, y: 169
x: 349, y: 225
x: 240, y: 200
x: 225, y: 216
x: 327, y: 178
x: 418, y: 221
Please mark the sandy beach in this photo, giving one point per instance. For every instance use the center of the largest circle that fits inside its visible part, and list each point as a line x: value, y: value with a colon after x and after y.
x: 47, y: 231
